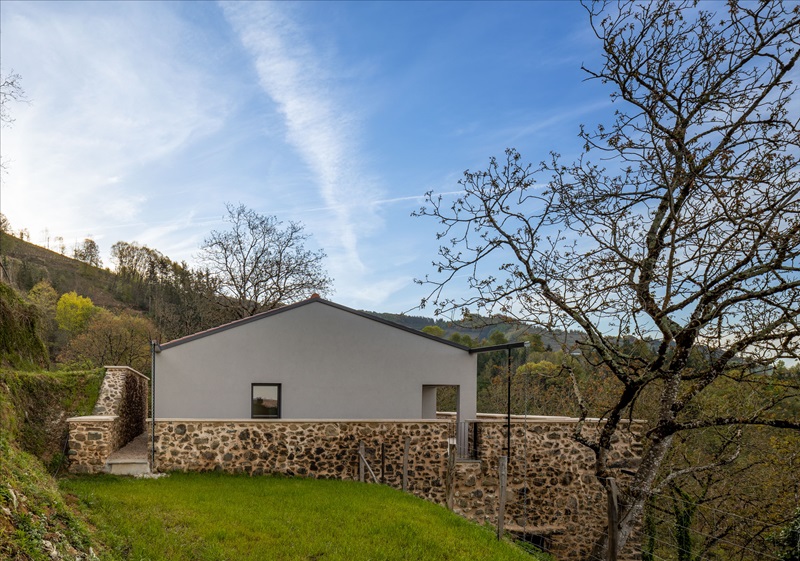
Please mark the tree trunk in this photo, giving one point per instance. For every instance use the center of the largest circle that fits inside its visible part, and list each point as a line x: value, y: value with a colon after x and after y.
x: 631, y: 506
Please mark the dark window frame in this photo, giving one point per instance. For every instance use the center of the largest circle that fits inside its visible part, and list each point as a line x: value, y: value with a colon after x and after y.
x: 261, y: 384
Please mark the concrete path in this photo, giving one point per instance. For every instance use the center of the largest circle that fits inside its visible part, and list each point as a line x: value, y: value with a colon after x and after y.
x: 131, y: 459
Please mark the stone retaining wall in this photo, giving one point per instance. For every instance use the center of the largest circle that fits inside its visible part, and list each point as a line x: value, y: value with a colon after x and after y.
x: 320, y: 449
x: 92, y: 440
x: 118, y: 417
x: 552, y: 492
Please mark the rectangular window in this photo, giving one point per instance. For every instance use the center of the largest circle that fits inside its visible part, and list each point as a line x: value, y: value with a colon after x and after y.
x: 266, y: 401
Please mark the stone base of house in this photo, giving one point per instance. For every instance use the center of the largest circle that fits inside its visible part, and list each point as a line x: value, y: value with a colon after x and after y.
x: 320, y: 449
x: 552, y: 497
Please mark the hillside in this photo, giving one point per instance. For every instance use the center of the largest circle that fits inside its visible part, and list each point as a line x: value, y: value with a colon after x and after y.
x: 480, y: 328
x: 27, y: 264
x: 35, y: 521
x: 20, y: 345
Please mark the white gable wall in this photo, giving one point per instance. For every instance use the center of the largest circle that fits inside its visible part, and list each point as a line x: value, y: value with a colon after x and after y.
x: 331, y: 364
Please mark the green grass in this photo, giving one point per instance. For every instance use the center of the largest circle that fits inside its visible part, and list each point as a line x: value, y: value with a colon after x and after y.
x: 208, y: 516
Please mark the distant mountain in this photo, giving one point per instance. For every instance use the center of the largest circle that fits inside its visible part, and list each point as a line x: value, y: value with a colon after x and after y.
x: 480, y: 328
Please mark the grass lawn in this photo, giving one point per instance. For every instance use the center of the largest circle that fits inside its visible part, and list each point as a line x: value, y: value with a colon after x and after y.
x: 209, y: 516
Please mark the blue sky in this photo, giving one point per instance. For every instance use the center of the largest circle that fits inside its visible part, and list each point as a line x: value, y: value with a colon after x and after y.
x: 146, y: 118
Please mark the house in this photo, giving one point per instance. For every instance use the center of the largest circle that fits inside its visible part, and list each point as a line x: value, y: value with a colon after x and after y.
x: 316, y: 389
x: 314, y: 360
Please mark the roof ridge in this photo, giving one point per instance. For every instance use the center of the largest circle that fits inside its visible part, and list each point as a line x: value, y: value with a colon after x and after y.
x: 314, y: 298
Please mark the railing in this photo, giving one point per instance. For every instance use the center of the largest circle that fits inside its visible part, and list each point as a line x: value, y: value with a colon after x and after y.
x: 364, y: 464
x: 467, y: 440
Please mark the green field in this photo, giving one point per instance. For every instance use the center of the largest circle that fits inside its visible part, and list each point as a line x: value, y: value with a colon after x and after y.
x: 207, y: 516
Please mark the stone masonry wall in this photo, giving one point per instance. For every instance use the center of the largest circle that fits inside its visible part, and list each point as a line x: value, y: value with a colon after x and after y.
x: 320, y: 449
x: 551, y: 490
x: 92, y: 440
x: 119, y: 416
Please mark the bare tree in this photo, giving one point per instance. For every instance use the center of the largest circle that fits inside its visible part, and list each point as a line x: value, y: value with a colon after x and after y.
x: 259, y: 265
x: 687, y: 235
x: 10, y: 90
x: 62, y: 247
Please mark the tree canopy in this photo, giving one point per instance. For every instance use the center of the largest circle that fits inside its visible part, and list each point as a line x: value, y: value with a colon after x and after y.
x: 73, y: 312
x: 679, y: 226
x: 260, y: 264
x: 88, y: 252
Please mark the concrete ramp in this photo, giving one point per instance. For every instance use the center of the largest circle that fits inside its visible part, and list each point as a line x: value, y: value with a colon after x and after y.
x: 132, y: 459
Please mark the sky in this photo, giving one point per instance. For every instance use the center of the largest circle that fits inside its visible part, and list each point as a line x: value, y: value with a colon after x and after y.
x: 145, y: 118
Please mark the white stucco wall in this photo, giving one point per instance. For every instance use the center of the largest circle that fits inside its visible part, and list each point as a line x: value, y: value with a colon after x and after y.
x: 331, y: 363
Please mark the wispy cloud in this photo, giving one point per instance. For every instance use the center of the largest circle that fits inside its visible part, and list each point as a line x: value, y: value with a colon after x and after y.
x: 112, y: 92
x: 374, y: 204
x: 319, y: 125
x: 553, y: 121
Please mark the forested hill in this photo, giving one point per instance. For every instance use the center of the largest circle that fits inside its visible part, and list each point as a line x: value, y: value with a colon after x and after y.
x: 26, y: 264
x: 74, y: 314
x: 166, y: 303
x: 480, y: 328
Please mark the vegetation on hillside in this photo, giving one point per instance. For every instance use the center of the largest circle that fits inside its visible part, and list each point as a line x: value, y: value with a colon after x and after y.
x: 35, y: 522
x: 26, y: 264
x: 34, y: 407
x: 20, y: 344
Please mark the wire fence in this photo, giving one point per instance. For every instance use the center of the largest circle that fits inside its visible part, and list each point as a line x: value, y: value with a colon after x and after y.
x: 713, y: 534
x: 677, y: 529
